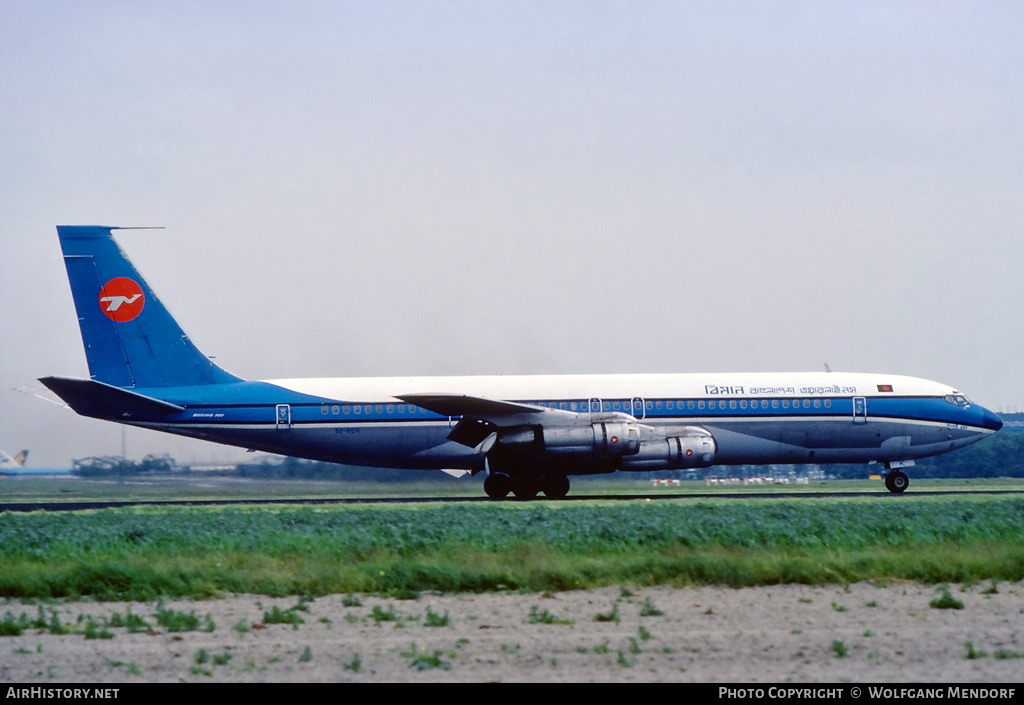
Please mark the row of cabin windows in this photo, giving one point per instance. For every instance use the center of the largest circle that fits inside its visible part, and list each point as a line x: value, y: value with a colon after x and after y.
x: 371, y: 408
x: 627, y: 406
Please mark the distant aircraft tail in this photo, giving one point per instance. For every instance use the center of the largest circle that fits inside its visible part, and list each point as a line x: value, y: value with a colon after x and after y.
x: 17, y: 460
x: 130, y: 338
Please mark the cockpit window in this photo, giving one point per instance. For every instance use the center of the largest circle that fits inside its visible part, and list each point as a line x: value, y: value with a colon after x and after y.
x: 958, y: 400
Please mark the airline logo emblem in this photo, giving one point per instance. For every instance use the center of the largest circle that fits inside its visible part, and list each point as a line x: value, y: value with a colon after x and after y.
x: 121, y: 299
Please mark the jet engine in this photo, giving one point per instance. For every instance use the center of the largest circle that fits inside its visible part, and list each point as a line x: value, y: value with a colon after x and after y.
x: 689, y: 447
x: 612, y: 437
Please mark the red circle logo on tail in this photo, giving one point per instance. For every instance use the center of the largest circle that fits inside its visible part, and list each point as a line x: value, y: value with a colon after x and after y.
x: 121, y: 299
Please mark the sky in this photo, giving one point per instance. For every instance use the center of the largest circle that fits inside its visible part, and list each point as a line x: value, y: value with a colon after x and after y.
x: 514, y: 187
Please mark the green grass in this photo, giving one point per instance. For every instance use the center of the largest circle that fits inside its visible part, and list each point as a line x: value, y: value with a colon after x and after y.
x: 649, y: 609
x: 946, y: 601
x: 544, y: 617
x: 972, y: 653
x: 276, y: 615
x: 424, y: 661
x: 381, y: 615
x: 132, y: 622
x: 355, y: 664
x: 432, y: 619
x: 177, y: 621
x: 96, y: 630
x: 145, y: 553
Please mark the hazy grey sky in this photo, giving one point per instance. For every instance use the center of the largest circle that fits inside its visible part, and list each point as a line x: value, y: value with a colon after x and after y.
x: 394, y: 188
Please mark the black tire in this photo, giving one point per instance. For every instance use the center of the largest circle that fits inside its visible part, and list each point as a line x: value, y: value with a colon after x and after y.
x: 888, y: 482
x: 497, y: 486
x: 555, y: 486
x: 900, y: 482
x: 525, y: 486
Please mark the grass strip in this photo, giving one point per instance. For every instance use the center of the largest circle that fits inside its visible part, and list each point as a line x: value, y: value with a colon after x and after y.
x: 533, y: 570
x: 146, y: 553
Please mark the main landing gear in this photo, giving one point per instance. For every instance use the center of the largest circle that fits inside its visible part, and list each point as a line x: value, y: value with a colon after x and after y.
x: 896, y: 481
x: 526, y: 486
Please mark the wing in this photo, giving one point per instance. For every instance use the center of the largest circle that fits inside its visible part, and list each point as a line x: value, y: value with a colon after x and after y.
x: 484, y: 422
x: 483, y: 419
x: 464, y: 405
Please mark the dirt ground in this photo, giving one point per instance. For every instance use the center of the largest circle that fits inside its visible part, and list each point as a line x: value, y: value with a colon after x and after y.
x: 792, y: 633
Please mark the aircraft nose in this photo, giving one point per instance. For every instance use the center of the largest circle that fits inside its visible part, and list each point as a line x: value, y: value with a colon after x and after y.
x: 991, y: 420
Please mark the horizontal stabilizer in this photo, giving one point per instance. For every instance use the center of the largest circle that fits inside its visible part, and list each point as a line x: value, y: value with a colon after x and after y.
x: 463, y: 405
x: 91, y: 398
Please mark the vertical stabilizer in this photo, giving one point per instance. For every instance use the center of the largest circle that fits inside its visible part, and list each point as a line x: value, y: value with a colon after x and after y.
x: 130, y: 338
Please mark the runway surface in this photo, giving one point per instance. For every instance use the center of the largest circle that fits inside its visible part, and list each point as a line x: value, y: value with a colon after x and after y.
x: 630, y: 497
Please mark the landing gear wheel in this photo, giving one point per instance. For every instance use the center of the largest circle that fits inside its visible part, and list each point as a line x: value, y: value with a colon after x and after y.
x: 525, y: 487
x: 897, y: 481
x: 900, y: 481
x: 555, y: 486
x: 497, y: 486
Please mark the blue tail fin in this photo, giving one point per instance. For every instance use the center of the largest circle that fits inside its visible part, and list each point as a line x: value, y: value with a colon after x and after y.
x: 130, y: 339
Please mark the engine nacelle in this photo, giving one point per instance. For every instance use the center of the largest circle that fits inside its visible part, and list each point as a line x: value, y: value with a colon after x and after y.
x: 601, y: 438
x: 694, y: 448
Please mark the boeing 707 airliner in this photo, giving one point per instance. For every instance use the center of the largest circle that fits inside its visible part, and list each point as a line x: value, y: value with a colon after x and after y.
x: 528, y: 434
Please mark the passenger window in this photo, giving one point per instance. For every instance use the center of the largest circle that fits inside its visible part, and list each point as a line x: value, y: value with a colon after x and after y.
x: 732, y: 403
x: 817, y: 403
x: 323, y: 409
x: 785, y: 403
x: 346, y: 409
x: 689, y: 405
x: 700, y: 405
x: 775, y: 403
x: 807, y: 404
x: 828, y: 403
x: 391, y: 408
x: 743, y: 403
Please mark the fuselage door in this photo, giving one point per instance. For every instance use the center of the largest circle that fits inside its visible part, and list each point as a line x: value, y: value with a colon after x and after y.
x: 284, y: 416
x: 638, y: 411
x: 860, y: 410
x: 595, y: 405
